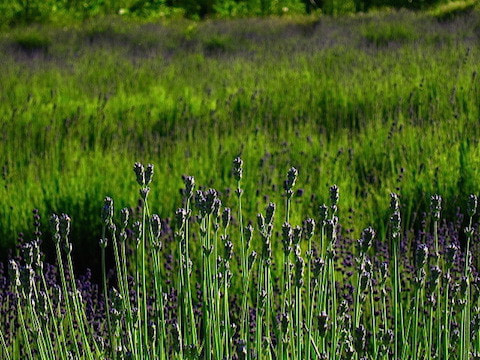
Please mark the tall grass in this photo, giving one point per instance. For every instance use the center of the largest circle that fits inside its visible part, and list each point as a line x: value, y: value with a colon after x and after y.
x: 410, y: 298
x: 372, y: 115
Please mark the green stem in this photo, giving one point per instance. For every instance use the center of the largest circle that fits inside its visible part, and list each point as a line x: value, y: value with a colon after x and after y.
x: 144, y: 282
x: 61, y: 346
x: 67, y: 298
x: 107, y: 305
x: 24, y: 329
x: 446, y: 321
x: 374, y: 327
x: 4, y: 345
x: 244, y: 265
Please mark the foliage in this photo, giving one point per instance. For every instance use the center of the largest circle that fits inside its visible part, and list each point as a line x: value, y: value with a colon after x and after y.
x: 33, y: 41
x: 14, y: 12
x: 190, y: 96
x: 302, y: 290
x: 452, y: 9
x: 218, y: 44
x: 385, y: 33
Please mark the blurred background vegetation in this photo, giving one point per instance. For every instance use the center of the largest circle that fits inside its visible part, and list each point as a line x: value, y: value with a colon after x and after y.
x: 14, y: 12
x: 376, y: 102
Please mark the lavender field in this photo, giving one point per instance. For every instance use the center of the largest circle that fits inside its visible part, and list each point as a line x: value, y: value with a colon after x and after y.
x: 313, y: 193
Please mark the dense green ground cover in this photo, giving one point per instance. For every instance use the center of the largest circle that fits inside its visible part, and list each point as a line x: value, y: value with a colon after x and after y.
x: 13, y: 12
x: 374, y: 103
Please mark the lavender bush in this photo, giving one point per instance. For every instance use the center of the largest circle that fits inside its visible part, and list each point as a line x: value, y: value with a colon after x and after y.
x: 212, y: 285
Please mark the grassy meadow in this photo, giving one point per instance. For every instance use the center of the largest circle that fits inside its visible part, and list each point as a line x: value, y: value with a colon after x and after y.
x: 374, y: 103
x: 309, y: 128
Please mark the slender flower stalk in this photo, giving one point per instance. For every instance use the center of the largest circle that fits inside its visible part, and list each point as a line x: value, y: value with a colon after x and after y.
x: 189, y: 189
x: 395, y: 226
x: 139, y: 338
x: 331, y: 298
x: 123, y: 278
x: 237, y: 172
x: 436, y: 207
x: 155, y: 228
x: 465, y: 315
x: 107, y: 218
x: 61, y: 229
x: 308, y: 232
x: 421, y: 255
x: 332, y: 235
x: 450, y: 258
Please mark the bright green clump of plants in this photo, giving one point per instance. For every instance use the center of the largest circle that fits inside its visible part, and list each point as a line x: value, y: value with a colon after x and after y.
x: 336, y: 98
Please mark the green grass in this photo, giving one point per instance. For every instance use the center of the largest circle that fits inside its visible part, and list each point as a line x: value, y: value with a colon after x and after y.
x: 384, y: 33
x: 450, y: 10
x: 189, y: 97
x: 32, y: 41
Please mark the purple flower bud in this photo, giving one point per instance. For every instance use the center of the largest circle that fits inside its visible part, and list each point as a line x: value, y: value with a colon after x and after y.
x: 394, y: 202
x: 318, y: 265
x: 299, y: 270
x: 360, y: 334
x: 395, y: 222
x: 334, y: 195
x: 292, y: 175
x: 269, y: 213
x: 65, y: 222
x: 472, y: 205
x: 210, y: 199
x: 287, y: 238
x: 124, y: 214
x: 228, y: 250
x: 156, y: 226
x: 189, y: 186
x: 180, y: 218
x: 261, y: 222
x: 323, y: 320
x: 137, y: 231
x: 14, y: 273
x: 421, y: 255
x: 366, y: 240
x: 451, y: 254
x: 200, y: 202
x: 435, y: 273
x: 296, y: 235
x: 148, y: 174
x: 107, y: 211
x: 384, y: 271
x: 217, y: 205
x: 55, y: 225
x: 226, y: 215
x: 139, y: 173
x: 436, y: 206
x: 309, y: 228
x: 323, y: 213
x: 364, y: 280
x: 237, y: 168
x: 284, y: 322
